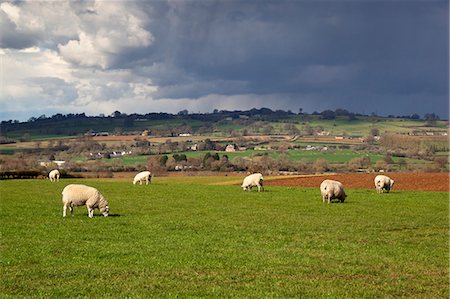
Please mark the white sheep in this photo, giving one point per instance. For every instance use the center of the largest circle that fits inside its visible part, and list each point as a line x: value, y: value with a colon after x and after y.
x: 383, y: 183
x: 79, y: 195
x: 143, y: 176
x: 331, y: 189
x: 253, y: 180
x: 54, y: 175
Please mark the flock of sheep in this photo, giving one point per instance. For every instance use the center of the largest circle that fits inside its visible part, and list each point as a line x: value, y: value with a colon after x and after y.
x: 80, y: 195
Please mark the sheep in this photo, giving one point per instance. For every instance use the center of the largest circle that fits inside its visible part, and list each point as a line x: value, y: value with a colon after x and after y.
x: 331, y: 189
x: 143, y: 176
x: 54, y: 175
x: 383, y: 183
x: 79, y: 195
x: 253, y: 180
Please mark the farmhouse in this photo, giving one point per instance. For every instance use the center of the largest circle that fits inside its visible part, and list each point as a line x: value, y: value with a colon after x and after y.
x: 323, y: 133
x: 230, y: 148
x: 50, y: 163
x: 119, y: 154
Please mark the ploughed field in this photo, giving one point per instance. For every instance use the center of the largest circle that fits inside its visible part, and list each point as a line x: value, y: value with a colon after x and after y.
x: 403, y: 181
x: 205, y: 237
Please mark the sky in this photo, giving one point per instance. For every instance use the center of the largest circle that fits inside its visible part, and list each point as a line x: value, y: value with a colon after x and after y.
x: 389, y: 57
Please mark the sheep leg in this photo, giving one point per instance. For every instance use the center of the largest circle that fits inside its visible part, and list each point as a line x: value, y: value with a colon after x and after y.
x: 71, y: 210
x: 90, y: 212
x: 259, y: 188
x: 64, y: 210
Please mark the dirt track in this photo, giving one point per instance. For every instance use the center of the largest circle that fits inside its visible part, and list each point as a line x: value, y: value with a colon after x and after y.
x: 403, y: 181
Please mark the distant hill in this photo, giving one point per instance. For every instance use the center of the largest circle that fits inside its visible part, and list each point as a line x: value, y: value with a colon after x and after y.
x: 254, y: 121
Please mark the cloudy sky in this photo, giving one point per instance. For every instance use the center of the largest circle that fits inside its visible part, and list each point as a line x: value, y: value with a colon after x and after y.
x: 387, y: 57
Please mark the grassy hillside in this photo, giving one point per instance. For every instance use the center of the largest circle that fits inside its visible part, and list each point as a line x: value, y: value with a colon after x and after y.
x: 189, y: 239
x: 220, y: 124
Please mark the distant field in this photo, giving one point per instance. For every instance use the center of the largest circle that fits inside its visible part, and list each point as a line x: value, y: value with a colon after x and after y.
x: 338, y: 156
x: 186, y: 238
x: 65, y: 128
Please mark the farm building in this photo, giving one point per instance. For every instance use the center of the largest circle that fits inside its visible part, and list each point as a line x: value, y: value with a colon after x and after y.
x: 230, y: 148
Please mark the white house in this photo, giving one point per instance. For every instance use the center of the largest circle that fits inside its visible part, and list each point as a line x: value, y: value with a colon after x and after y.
x: 230, y: 148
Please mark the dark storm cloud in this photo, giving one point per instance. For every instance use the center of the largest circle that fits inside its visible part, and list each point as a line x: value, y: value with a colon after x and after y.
x: 342, y: 51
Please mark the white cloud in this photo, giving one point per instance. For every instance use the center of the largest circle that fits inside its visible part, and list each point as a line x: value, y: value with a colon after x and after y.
x: 45, y: 20
x: 83, y: 52
x: 107, y: 30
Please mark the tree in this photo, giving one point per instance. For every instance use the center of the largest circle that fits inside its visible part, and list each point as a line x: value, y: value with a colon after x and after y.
x: 388, y: 159
x: 351, y: 116
x: 321, y: 165
x: 308, y: 130
x: 179, y: 157
x: 207, y: 145
x: 431, y: 119
x: 374, y: 132
x: 341, y: 112
x: 402, y: 164
x: 183, y: 112
x: 116, y: 114
x: 206, y: 156
x: 381, y: 165
x: 225, y: 159
x: 359, y: 163
x: 328, y: 114
x: 163, y: 160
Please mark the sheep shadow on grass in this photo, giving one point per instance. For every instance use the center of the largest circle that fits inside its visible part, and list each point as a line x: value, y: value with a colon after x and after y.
x: 114, y: 215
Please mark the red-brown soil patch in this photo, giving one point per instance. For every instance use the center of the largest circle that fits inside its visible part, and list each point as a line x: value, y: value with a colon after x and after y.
x: 403, y: 181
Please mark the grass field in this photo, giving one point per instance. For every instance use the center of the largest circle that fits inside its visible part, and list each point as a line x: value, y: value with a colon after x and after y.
x: 190, y: 237
x: 339, y: 156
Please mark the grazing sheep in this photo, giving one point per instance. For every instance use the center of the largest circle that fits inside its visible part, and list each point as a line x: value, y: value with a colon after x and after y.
x: 54, y: 175
x: 143, y: 176
x: 79, y: 195
x: 253, y: 180
x: 332, y: 189
x: 383, y: 183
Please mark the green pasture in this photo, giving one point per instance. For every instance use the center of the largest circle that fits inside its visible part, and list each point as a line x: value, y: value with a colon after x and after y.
x: 338, y: 156
x: 363, y: 125
x: 7, y: 150
x: 189, y: 237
